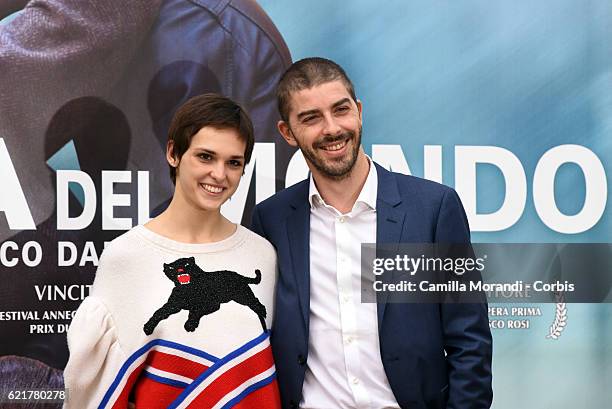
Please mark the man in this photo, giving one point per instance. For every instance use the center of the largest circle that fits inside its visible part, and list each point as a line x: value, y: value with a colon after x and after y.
x: 331, y: 350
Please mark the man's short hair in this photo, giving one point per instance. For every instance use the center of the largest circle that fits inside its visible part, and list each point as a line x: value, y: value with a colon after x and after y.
x: 305, y: 74
x: 212, y: 110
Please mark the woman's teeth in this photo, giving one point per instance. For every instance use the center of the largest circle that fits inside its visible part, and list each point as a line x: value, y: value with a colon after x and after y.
x: 211, y: 189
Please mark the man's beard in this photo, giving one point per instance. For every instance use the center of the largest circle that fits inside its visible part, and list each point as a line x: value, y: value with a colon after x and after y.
x: 334, y: 169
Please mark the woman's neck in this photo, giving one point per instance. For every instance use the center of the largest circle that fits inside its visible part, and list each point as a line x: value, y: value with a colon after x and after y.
x: 185, y: 223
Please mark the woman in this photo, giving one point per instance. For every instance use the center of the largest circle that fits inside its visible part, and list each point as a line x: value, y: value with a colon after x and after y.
x: 180, y: 308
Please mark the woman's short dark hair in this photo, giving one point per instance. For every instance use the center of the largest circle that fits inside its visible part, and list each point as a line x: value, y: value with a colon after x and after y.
x: 212, y: 110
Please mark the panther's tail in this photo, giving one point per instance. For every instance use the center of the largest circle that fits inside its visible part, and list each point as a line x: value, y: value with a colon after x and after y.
x: 257, y: 278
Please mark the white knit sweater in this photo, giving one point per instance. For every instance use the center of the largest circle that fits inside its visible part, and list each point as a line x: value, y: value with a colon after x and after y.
x: 185, y: 362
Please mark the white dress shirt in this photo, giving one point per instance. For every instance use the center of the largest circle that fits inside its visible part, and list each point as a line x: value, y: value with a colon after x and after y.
x: 344, y: 367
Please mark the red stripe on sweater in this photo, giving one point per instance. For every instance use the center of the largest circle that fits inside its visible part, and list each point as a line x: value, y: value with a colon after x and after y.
x: 175, y: 364
x: 122, y: 399
x: 149, y: 394
x: 267, y: 397
x: 233, y: 378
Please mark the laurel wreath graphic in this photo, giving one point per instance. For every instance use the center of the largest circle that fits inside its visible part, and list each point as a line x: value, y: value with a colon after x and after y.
x: 560, y: 321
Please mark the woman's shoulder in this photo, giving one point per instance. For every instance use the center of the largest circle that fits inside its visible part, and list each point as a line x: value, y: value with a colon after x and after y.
x: 257, y: 242
x: 123, y: 246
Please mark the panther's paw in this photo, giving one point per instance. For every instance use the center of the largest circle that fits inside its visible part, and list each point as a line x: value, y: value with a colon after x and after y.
x: 190, y: 326
x: 148, y: 328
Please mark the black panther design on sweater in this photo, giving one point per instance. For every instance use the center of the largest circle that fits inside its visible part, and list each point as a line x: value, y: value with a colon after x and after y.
x: 202, y: 292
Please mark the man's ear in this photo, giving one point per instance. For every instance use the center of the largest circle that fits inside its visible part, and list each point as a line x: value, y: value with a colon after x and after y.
x: 285, y: 131
x: 360, y: 110
x: 170, y: 157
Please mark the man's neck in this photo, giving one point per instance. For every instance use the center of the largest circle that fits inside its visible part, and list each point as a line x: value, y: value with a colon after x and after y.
x: 342, y: 194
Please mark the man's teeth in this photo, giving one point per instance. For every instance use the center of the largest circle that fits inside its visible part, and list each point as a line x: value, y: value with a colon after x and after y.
x: 335, y: 147
x: 212, y: 189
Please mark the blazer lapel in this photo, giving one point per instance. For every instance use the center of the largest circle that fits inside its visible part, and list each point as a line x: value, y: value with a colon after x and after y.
x: 389, y: 222
x: 298, y: 232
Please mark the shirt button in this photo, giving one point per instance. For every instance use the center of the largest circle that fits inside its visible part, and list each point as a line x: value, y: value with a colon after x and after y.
x: 348, y: 340
x: 355, y: 381
x: 341, y: 220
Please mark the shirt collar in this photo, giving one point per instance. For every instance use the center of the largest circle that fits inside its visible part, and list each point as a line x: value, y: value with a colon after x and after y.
x: 367, y: 195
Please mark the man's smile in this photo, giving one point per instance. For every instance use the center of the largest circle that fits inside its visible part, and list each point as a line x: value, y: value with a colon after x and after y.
x: 335, y: 147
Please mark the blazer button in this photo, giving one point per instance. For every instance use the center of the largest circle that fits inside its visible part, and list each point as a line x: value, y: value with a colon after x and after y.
x: 301, y: 359
x: 292, y: 404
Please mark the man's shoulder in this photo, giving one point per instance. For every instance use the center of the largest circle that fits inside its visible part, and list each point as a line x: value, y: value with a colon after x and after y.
x: 286, y: 198
x: 413, y: 186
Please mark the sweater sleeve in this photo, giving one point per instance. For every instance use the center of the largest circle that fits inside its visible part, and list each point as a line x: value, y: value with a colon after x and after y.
x: 95, y: 355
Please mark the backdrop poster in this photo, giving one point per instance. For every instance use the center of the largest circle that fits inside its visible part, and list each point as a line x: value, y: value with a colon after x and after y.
x: 507, y: 102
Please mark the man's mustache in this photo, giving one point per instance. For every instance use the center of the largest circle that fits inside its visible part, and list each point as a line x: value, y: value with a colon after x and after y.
x: 330, y: 140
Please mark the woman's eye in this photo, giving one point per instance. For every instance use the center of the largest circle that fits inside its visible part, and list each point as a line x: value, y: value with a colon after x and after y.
x: 235, y: 163
x: 205, y: 156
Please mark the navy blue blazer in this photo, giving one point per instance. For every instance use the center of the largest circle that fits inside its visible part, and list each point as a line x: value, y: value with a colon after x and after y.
x: 413, y: 337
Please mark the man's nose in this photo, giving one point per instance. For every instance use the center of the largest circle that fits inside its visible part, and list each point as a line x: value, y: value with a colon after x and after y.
x: 331, y: 126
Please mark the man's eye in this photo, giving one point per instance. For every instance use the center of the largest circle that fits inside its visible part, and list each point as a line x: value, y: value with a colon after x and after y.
x: 309, y: 119
x: 342, y: 109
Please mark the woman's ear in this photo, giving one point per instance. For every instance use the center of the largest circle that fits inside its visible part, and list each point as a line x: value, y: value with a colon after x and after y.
x: 170, y: 156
